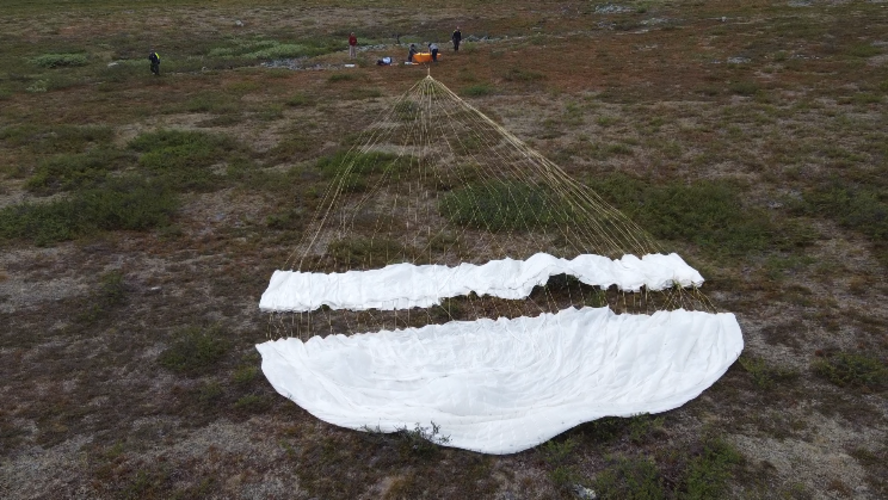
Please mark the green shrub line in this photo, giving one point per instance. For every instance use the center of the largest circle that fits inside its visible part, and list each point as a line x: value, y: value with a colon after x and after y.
x: 67, y: 172
x: 274, y: 49
x: 853, y: 370
x: 700, y: 475
x: 859, y: 207
x: 61, y: 60
x: 479, y: 90
x: 708, y: 214
x: 185, y: 159
x: 500, y: 205
x: 351, y: 169
x: 126, y: 203
x: 365, y: 253
x: 194, y: 351
x: 56, y: 139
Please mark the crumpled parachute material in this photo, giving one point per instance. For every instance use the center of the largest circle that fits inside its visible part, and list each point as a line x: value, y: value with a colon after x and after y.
x: 404, y: 286
x: 506, y: 385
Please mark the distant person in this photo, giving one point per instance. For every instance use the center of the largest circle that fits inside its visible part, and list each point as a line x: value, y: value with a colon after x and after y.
x: 433, y: 48
x: 412, y: 52
x: 352, y: 45
x: 155, y: 63
x: 456, y: 37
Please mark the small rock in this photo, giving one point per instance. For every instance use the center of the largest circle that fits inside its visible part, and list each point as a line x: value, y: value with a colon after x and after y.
x: 584, y: 493
x: 239, y: 23
x: 610, y: 8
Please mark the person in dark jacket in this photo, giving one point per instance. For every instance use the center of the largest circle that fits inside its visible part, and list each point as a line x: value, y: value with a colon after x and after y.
x: 412, y: 52
x: 155, y: 63
x: 456, y: 37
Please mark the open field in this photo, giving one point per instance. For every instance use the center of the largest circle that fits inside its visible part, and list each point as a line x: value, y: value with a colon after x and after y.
x: 141, y: 217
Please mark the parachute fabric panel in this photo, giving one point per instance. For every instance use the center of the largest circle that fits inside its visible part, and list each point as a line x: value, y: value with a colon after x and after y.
x: 404, y: 286
x: 507, y: 385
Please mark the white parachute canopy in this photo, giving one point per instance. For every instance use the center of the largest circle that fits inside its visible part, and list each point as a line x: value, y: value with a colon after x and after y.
x: 454, y: 278
x: 507, y: 385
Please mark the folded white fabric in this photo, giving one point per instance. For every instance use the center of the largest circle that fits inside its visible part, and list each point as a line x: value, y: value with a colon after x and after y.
x: 502, y: 386
x: 403, y: 286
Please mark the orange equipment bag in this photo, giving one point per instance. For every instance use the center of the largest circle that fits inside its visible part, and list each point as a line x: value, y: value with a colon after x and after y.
x: 423, y: 57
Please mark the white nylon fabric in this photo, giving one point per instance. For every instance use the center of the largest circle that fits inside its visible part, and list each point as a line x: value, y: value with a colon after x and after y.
x: 404, y: 286
x: 503, y: 386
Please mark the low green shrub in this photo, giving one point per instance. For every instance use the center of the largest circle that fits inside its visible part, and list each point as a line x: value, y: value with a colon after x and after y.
x: 281, y: 51
x: 298, y: 100
x: 764, y: 376
x: 56, y: 139
x: 127, y: 203
x: 558, y: 456
x: 365, y: 253
x: 43, y: 224
x: 857, y: 371
x: 707, y: 474
x: 498, y: 206
x: 61, y: 60
x: 479, y: 90
x: 864, y: 50
x: 351, y: 169
x: 407, y: 110
x: 342, y: 77
x: 709, y: 214
x: 245, y: 375
x: 184, y: 160
x: 862, y: 208
x: 194, y: 351
x: 292, y: 218
x: 422, y: 441
x: 522, y: 75
x: 630, y: 479
x: 67, y: 172
x: 253, y: 403
x: 110, y: 293
x: 213, y: 102
x: 744, y: 88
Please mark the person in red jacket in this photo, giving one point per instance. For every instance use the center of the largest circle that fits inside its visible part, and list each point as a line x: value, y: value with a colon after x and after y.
x: 352, y: 45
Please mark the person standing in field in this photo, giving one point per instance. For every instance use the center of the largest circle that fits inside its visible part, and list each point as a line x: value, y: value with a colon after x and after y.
x: 433, y: 48
x: 456, y: 37
x: 155, y: 63
x: 352, y: 45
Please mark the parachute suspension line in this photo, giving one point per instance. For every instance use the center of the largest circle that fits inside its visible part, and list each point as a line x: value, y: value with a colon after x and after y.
x: 434, y: 180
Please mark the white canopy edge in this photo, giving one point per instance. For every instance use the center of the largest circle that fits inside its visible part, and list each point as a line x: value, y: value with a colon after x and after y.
x: 404, y: 286
x: 504, y: 386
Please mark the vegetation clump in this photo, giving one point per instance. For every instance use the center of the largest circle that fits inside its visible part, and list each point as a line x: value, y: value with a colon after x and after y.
x: 127, y: 203
x: 194, y: 351
x: 67, y: 172
x: 187, y: 160
x: 708, y: 214
x: 853, y: 370
x: 497, y: 206
x: 351, y: 169
x: 61, y: 60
